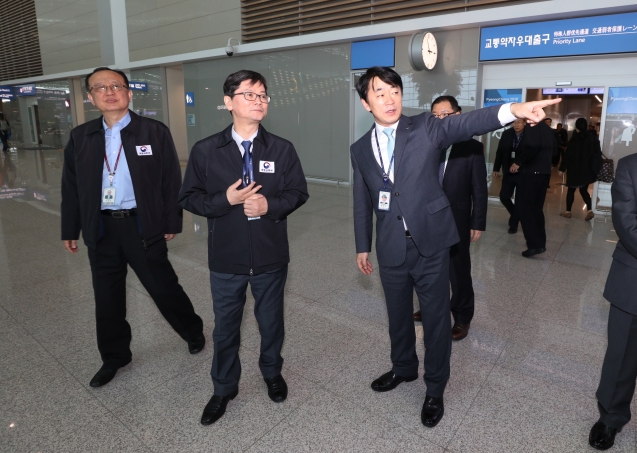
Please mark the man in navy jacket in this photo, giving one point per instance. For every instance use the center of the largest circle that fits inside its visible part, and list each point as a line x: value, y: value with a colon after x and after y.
x: 246, y: 182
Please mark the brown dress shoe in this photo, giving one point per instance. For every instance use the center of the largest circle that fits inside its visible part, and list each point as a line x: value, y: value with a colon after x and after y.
x: 417, y: 316
x: 459, y: 331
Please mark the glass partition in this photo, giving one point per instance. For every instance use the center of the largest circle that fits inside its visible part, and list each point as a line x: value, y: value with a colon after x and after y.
x: 148, y: 102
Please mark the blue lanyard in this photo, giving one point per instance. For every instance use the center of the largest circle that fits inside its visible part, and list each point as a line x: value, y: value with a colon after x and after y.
x: 382, y: 165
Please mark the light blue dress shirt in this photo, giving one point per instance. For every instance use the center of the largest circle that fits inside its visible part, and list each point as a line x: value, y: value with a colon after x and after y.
x: 124, y: 195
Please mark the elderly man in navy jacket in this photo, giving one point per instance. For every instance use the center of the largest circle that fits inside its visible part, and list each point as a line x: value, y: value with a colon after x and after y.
x: 246, y: 181
x: 120, y: 183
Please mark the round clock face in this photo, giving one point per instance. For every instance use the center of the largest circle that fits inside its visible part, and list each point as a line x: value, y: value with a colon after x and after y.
x: 429, y: 51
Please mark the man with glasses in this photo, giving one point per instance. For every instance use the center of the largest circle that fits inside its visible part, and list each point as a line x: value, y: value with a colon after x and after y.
x: 462, y: 173
x: 120, y: 183
x: 246, y: 182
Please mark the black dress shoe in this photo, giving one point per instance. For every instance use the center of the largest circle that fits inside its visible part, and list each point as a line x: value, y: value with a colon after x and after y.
x: 459, y: 331
x: 513, y: 230
x: 432, y: 411
x: 417, y: 316
x: 216, y: 407
x: 105, y: 374
x: 602, y: 436
x: 532, y: 252
x: 277, y: 388
x: 197, y: 344
x: 389, y: 381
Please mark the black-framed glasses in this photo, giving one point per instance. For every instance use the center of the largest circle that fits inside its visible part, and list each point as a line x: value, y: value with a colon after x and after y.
x: 250, y: 96
x: 103, y: 88
x: 442, y: 115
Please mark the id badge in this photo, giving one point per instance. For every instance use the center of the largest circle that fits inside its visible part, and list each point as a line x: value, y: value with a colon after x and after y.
x: 254, y: 218
x: 108, y: 196
x: 512, y: 154
x: 384, y: 200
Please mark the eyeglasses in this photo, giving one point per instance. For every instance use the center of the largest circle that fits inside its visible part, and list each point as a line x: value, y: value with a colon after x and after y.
x: 104, y: 88
x: 250, y: 96
x: 442, y: 115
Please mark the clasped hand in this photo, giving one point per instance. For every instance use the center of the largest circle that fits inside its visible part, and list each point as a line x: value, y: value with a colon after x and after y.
x: 254, y: 204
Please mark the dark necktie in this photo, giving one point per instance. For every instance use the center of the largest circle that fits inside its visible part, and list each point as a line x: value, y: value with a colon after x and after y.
x: 246, y: 162
x: 441, y: 166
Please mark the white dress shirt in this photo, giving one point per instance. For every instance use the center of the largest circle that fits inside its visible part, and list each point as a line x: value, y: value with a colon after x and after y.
x: 238, y: 139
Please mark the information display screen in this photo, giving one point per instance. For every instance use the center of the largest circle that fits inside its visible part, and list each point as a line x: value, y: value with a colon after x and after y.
x: 615, y: 33
x: 379, y: 52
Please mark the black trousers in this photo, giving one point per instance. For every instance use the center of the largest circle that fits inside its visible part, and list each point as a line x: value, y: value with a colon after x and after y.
x: 228, y: 300
x: 429, y: 276
x: 509, y: 182
x: 120, y: 246
x: 4, y: 137
x: 619, y: 371
x: 570, y: 197
x: 529, y: 199
x: 462, y: 295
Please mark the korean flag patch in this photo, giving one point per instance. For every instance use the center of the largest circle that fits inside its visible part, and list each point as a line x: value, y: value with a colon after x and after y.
x: 266, y: 166
x: 144, y: 150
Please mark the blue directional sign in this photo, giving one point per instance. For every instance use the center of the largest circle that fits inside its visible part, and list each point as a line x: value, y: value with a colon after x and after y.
x: 502, y: 96
x: 137, y: 86
x: 615, y: 33
x: 26, y: 90
x: 190, y: 99
x: 6, y: 92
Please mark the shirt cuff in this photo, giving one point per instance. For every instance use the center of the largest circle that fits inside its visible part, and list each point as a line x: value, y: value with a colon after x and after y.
x: 504, y: 114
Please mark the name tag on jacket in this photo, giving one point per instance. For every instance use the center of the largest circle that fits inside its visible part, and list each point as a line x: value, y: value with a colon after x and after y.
x: 144, y: 150
x: 266, y: 166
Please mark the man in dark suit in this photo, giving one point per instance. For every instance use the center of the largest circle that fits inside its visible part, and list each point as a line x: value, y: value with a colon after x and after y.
x: 125, y: 204
x: 246, y: 182
x: 511, y: 144
x: 464, y: 180
x: 619, y: 371
x: 400, y: 158
x: 534, y: 164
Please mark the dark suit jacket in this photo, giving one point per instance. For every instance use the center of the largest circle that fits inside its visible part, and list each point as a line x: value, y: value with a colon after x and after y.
x: 503, y: 154
x: 417, y: 194
x: 465, y: 184
x: 621, y: 284
x: 540, y: 147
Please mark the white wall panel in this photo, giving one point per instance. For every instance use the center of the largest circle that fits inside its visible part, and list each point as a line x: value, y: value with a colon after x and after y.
x: 158, y: 28
x: 68, y: 33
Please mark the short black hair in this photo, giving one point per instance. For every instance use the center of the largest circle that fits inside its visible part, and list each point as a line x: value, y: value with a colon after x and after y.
x: 236, y: 78
x: 387, y: 75
x: 450, y: 99
x: 104, y: 68
x: 548, y: 118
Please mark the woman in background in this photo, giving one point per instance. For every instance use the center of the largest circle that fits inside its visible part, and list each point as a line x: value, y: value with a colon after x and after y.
x: 577, y: 164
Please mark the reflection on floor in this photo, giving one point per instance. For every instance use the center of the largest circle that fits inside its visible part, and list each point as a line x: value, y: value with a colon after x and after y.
x: 523, y: 380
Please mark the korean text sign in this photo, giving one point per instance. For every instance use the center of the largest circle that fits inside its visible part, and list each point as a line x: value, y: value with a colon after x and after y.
x: 614, y: 33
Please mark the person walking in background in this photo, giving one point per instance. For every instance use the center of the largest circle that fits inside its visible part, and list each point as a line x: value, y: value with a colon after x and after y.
x: 577, y: 165
x: 535, y: 165
x: 5, y: 130
x: 510, y: 145
x: 619, y: 369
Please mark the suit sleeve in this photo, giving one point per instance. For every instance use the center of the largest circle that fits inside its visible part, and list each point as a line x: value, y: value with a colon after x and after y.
x: 193, y: 196
x: 625, y: 206
x: 70, y: 209
x: 479, y: 190
x: 172, y: 217
x: 459, y: 128
x: 294, y: 193
x: 363, y: 211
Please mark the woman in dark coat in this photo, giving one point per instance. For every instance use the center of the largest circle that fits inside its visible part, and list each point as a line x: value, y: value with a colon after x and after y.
x: 577, y: 164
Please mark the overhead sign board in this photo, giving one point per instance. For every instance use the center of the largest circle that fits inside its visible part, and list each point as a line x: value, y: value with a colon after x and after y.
x: 138, y: 86
x: 377, y: 52
x: 26, y: 90
x: 615, y: 33
x: 6, y: 92
x: 622, y: 100
x: 502, y: 96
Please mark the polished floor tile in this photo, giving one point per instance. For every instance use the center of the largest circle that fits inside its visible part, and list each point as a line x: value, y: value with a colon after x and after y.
x: 522, y: 381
